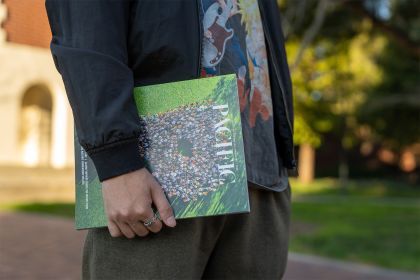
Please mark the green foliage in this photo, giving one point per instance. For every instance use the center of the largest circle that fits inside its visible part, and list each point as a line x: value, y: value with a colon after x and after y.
x: 392, y: 108
x: 358, y: 79
x: 330, y: 83
x: 405, y: 16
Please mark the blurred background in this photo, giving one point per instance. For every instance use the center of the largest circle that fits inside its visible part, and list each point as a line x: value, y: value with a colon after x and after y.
x: 356, y: 206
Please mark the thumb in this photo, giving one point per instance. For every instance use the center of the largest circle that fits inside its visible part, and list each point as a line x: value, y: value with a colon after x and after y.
x: 165, y: 210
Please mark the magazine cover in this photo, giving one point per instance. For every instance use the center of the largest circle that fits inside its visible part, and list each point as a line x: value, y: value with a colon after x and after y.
x: 193, y: 146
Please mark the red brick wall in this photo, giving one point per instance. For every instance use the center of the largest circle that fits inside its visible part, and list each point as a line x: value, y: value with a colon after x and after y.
x: 27, y: 23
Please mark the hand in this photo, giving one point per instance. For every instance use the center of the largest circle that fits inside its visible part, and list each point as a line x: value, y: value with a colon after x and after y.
x: 128, y: 199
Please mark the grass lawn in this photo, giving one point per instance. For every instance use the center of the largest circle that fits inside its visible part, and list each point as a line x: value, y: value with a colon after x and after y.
x: 59, y: 209
x: 374, y: 222
x: 371, y: 221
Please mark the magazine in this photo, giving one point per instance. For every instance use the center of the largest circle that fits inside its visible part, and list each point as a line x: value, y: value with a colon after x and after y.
x: 192, y: 144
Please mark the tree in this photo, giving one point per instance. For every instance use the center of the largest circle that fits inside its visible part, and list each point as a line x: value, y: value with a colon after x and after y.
x: 336, y: 75
x: 392, y: 110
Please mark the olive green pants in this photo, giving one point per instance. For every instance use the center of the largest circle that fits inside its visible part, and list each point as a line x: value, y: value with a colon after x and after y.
x: 237, y: 246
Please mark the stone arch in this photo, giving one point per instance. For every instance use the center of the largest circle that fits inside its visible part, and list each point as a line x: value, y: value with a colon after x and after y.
x: 35, y: 127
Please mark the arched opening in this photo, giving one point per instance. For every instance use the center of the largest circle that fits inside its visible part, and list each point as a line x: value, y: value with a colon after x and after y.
x: 35, y: 126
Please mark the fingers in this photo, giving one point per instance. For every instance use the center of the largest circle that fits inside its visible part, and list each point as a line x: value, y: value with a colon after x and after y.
x: 130, y: 223
x: 139, y: 228
x: 126, y: 230
x: 127, y: 223
x: 156, y: 226
x: 130, y: 205
x: 163, y: 206
x: 113, y: 229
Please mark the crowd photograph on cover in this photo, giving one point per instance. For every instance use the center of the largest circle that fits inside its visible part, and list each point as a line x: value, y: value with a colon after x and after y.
x: 173, y: 136
x: 210, y: 139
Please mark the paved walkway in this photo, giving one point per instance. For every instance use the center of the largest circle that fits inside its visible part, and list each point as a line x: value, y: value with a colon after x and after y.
x: 39, y: 247
x: 303, y: 267
x: 46, y: 247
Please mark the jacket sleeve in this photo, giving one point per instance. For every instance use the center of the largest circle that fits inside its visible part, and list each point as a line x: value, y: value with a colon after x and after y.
x: 89, y: 48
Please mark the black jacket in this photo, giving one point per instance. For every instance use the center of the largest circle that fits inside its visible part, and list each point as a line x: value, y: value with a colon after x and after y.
x: 104, y: 48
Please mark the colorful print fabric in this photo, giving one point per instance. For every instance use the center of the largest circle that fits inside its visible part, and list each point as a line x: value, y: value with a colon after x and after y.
x: 233, y: 42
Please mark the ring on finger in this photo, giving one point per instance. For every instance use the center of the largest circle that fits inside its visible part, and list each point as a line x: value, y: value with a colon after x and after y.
x: 151, y: 220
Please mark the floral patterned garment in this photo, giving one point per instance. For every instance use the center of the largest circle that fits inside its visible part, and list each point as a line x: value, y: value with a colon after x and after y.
x: 234, y: 43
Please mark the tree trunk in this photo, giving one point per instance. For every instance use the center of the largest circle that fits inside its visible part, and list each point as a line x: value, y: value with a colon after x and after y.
x: 306, y: 163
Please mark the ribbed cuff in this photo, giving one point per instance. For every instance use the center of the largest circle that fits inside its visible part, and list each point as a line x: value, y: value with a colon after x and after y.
x: 117, y: 158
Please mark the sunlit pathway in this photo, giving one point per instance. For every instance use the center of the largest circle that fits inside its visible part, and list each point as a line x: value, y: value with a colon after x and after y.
x: 46, y: 247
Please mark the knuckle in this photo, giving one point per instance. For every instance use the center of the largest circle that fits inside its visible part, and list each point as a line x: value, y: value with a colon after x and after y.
x: 141, y: 212
x: 112, y: 215
x: 132, y: 218
x: 123, y: 215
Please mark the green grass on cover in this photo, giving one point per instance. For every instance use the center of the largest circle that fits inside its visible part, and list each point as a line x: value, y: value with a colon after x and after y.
x: 223, y: 200
x: 161, y: 98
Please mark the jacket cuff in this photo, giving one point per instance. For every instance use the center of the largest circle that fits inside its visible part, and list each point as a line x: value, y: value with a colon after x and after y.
x: 117, y: 158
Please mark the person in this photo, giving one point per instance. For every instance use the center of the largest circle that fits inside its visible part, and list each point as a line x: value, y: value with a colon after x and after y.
x: 104, y: 48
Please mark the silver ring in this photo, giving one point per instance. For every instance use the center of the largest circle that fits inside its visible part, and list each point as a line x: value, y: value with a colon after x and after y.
x: 150, y: 221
